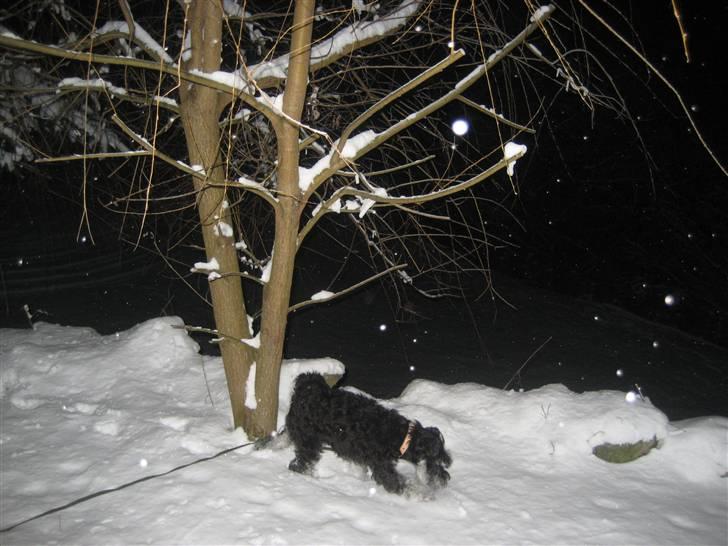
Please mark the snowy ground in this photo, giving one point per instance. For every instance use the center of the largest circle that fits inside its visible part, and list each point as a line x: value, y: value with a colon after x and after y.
x: 81, y: 412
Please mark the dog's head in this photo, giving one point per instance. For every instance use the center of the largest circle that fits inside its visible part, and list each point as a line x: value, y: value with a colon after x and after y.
x: 428, y: 445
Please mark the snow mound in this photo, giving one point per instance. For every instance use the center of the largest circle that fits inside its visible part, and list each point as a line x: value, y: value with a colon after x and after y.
x: 550, y: 420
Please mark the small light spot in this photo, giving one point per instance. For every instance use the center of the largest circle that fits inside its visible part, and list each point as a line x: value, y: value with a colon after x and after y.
x: 631, y: 397
x: 412, y: 368
x: 620, y: 372
x: 460, y: 127
x: 143, y: 463
x: 382, y: 327
x: 656, y: 344
x: 596, y: 317
x: 418, y: 28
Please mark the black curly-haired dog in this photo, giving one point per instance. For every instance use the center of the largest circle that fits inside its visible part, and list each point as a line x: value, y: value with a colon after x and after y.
x: 360, y: 430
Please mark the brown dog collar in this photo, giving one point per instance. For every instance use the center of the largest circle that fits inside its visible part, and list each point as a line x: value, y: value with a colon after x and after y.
x: 407, y: 439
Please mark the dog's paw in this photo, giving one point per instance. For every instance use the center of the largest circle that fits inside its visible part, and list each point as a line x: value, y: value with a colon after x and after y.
x: 296, y: 465
x: 437, y: 476
x: 417, y: 491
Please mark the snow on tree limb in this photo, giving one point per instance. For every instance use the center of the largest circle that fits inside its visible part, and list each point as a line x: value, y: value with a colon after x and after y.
x: 329, y: 164
x: 345, y: 41
x: 235, y: 87
x: 115, y: 29
x: 513, y: 154
x: 312, y: 178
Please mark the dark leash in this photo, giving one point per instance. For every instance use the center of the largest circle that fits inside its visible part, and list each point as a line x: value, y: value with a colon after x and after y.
x: 128, y: 484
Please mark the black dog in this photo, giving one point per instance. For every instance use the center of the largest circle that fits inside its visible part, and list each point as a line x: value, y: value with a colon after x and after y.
x: 359, y: 429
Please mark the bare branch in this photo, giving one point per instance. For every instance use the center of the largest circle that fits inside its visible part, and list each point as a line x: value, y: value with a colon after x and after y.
x: 353, y: 287
x: 106, y: 155
x: 253, y: 187
x: 493, y: 114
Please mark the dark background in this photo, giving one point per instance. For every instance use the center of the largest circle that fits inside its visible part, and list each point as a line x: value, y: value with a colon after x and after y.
x: 601, y: 223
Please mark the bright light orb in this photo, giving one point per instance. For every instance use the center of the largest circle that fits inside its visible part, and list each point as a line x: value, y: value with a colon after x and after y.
x: 382, y: 327
x: 670, y: 300
x: 460, y: 127
x: 631, y: 397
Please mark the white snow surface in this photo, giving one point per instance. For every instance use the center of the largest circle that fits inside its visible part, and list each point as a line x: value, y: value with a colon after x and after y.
x: 357, y: 142
x: 82, y: 412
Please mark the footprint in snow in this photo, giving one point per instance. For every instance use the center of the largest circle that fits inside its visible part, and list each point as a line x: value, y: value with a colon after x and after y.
x: 175, y: 423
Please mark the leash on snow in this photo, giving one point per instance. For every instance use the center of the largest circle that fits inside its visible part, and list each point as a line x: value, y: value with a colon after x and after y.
x: 128, y: 484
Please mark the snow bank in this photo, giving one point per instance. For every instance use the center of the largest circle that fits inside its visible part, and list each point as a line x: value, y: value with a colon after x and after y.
x: 551, y: 420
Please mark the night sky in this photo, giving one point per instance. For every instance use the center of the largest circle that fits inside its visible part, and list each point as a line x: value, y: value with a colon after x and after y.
x: 600, y: 221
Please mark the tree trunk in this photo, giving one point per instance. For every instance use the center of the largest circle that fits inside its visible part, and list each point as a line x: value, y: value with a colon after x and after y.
x: 199, y: 112
x: 277, y: 293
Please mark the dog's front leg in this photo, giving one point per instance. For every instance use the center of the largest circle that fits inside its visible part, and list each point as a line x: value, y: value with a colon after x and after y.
x: 437, y: 476
x: 387, y: 476
x: 308, y: 454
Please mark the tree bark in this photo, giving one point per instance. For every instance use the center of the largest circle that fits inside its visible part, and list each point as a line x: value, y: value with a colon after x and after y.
x: 277, y: 292
x: 200, y: 113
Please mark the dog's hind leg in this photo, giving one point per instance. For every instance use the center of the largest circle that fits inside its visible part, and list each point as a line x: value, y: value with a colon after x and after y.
x: 387, y: 476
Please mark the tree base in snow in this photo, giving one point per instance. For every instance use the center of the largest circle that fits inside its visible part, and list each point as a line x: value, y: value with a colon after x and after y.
x: 624, y: 453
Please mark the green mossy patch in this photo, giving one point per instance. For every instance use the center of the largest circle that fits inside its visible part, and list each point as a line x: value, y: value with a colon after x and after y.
x: 624, y: 453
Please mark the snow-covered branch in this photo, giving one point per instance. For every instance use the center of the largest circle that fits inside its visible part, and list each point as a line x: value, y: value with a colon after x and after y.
x: 366, y: 141
x: 233, y: 85
x: 344, y: 42
x: 113, y: 30
x: 366, y: 199
x: 397, y: 93
x: 99, y: 84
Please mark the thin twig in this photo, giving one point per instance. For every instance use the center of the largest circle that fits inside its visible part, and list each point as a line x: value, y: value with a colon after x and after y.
x: 518, y: 371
